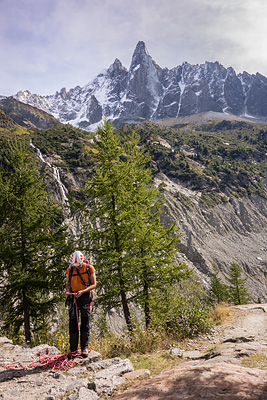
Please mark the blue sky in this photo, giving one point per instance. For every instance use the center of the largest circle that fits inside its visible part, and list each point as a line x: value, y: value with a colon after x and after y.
x: 49, y: 44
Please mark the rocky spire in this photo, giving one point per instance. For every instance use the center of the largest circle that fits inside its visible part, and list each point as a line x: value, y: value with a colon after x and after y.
x: 116, y: 68
x: 140, y: 55
x: 117, y: 64
x: 143, y: 84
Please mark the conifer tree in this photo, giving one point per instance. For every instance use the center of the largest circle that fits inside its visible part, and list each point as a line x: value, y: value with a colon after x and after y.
x: 110, y: 220
x: 218, y: 292
x: 33, y: 244
x: 155, y: 257
x: 129, y: 244
x: 238, y: 292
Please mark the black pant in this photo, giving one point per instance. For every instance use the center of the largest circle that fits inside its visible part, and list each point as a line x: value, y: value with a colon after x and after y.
x: 83, y: 308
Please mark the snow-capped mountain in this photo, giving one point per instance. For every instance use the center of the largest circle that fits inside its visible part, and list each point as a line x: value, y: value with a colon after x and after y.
x: 148, y: 91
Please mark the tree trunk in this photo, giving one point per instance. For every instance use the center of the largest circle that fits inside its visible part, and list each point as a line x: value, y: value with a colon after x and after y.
x: 26, y: 312
x: 27, y: 330
x: 146, y: 308
x: 126, y: 311
x: 146, y: 293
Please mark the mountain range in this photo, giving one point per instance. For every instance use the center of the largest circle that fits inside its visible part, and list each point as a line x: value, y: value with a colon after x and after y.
x: 148, y: 92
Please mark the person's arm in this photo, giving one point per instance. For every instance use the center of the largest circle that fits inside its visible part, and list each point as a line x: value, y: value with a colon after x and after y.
x: 88, y: 288
x: 67, y: 290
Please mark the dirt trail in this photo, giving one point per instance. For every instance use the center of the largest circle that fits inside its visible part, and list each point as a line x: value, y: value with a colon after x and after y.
x: 251, y: 319
x: 218, y: 374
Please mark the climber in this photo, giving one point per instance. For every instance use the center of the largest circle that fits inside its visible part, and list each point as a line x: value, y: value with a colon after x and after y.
x: 81, y: 280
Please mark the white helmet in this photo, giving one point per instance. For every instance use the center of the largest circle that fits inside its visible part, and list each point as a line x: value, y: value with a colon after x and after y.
x: 77, y: 258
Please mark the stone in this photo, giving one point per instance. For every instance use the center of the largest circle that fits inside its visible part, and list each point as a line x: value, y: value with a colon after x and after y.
x: 176, y: 352
x: 44, y: 349
x: 193, y: 355
x: 77, y: 371
x: 77, y: 384
x: 5, y: 340
x: 108, y: 384
x: 73, y: 396
x: 87, y: 394
x: 117, y: 369
x: 137, y: 375
x: 108, y: 379
x: 53, y: 391
x: 93, y: 356
x: 96, y: 366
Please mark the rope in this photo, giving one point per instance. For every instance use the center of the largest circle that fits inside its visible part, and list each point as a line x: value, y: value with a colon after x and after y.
x: 48, y: 362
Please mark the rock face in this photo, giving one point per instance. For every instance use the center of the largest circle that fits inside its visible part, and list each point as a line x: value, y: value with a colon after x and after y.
x: 26, y: 115
x: 232, y: 232
x: 148, y: 91
x: 226, y: 382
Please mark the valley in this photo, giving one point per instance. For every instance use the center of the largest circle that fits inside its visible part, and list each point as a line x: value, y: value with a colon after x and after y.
x: 213, y: 172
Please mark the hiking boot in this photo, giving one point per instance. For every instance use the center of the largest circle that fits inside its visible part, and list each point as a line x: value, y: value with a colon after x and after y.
x: 72, y: 355
x: 84, y: 353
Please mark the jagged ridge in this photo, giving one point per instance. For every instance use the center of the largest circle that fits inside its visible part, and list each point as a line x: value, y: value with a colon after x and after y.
x: 148, y: 91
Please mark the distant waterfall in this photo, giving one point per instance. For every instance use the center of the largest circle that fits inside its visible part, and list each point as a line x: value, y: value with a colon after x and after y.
x: 62, y: 189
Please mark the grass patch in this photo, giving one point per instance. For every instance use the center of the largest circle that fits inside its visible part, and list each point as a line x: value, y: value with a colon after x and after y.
x: 257, y: 360
x: 219, y: 314
x: 126, y: 345
x: 155, y: 362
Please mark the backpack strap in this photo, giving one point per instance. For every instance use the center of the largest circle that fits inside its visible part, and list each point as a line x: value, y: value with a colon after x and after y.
x: 70, y: 275
x: 80, y: 276
x: 88, y: 272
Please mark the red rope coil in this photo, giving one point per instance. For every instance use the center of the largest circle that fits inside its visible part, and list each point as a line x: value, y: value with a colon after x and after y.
x: 48, y: 362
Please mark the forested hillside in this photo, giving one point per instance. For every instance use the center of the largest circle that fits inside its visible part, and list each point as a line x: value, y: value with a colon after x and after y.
x: 212, y: 176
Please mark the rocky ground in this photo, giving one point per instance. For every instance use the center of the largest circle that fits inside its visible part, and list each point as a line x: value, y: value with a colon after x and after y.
x: 218, y: 373
x: 210, y: 368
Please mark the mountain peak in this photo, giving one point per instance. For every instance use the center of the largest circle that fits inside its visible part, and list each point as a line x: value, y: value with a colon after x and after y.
x: 141, y: 56
x: 116, y: 69
x: 141, y: 48
x: 117, y: 65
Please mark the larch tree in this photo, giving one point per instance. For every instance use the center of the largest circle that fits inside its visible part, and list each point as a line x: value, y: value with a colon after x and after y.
x: 155, y: 261
x: 238, y: 292
x: 218, y: 291
x: 33, y: 244
x: 131, y: 248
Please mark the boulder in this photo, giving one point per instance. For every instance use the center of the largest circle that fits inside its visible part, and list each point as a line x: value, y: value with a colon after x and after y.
x: 108, y: 379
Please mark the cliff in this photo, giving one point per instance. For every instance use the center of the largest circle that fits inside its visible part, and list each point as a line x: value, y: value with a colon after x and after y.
x: 228, y: 232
